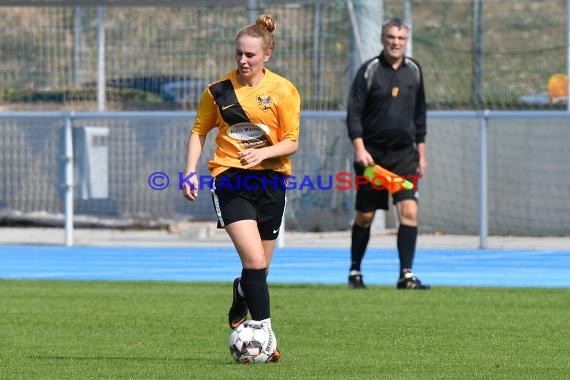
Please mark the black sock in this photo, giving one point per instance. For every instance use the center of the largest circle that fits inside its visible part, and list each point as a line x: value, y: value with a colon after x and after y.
x: 407, y: 236
x: 360, y: 237
x: 254, y: 286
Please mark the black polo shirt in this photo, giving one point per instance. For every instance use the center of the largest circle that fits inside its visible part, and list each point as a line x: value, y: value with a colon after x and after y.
x: 387, y: 107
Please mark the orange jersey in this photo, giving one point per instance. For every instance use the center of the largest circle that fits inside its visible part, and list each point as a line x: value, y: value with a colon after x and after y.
x: 249, y: 117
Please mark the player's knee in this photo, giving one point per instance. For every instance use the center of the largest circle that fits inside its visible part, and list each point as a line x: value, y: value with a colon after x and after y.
x: 364, y: 219
x: 254, y: 262
x: 408, y: 214
x: 409, y: 218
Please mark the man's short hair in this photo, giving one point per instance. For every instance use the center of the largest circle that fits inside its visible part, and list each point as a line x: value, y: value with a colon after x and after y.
x: 393, y: 22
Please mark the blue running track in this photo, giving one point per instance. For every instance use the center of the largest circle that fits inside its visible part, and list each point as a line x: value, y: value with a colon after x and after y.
x: 459, y: 267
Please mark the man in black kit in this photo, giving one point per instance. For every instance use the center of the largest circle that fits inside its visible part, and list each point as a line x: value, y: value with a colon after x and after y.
x: 387, y: 126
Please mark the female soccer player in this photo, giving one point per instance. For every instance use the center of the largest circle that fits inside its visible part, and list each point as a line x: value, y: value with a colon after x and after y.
x: 257, y: 113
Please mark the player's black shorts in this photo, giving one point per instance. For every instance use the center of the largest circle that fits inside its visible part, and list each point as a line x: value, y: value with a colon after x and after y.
x: 258, y: 195
x: 403, y: 162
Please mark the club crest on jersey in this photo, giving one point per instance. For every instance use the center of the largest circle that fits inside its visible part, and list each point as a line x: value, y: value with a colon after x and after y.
x: 264, y: 102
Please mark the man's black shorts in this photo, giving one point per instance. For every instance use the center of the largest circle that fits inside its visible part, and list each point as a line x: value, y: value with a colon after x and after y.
x: 258, y: 195
x: 403, y: 162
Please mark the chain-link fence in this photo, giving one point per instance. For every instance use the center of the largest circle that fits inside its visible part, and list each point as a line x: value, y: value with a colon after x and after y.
x: 161, y: 57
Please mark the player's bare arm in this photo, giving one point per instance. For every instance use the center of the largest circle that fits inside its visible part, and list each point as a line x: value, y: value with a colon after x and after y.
x: 194, y: 151
x: 252, y: 157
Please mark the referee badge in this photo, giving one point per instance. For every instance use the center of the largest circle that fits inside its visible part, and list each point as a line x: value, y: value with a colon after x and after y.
x: 395, y: 91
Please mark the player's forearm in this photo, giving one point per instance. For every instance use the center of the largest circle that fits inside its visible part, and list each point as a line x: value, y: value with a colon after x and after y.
x: 282, y: 148
x: 194, y: 151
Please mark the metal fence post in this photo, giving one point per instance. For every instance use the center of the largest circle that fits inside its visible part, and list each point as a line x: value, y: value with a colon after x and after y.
x: 483, y: 213
x: 101, y: 81
x: 68, y: 156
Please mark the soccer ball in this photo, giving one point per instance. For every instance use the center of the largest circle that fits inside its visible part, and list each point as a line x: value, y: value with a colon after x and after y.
x: 252, y: 342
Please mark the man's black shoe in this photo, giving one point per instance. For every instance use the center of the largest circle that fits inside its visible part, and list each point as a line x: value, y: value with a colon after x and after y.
x: 410, y: 281
x: 355, y: 280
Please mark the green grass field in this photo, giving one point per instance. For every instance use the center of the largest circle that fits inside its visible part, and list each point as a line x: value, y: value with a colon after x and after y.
x: 157, y: 330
